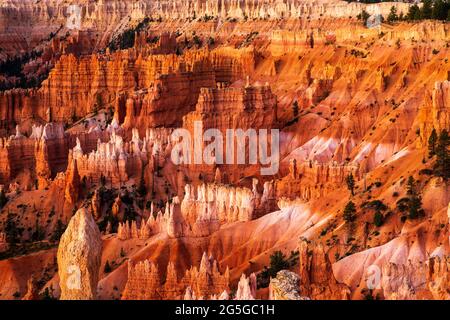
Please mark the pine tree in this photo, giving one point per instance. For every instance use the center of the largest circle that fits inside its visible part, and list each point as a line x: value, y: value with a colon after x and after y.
x: 12, y: 232
x: 311, y: 40
x: 350, y: 183
x: 295, y: 109
x: 414, y: 200
x: 411, y: 186
x: 363, y: 16
x: 107, y: 267
x: 99, y: 100
x: 278, y: 262
x: 442, y: 165
x: 350, y: 212
x: 392, y: 15
x: 432, y: 144
x: 415, y: 207
x: 440, y: 8
x: 378, y: 219
x: 47, y: 295
x: 414, y: 13
x: 102, y: 180
x: 426, y: 10
x: 38, y: 234
x: 142, y: 189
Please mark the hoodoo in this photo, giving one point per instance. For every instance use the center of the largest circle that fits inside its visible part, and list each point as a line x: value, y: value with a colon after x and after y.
x: 79, y: 255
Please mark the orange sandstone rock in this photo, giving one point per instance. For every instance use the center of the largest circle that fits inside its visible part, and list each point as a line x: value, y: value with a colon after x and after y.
x: 79, y: 254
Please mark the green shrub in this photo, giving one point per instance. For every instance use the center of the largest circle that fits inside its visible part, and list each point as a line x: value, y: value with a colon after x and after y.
x: 107, y: 268
x: 350, y: 212
x: 378, y: 219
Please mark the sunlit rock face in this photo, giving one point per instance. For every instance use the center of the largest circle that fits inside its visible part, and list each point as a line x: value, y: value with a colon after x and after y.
x: 44, y: 152
x: 285, y: 286
x: 415, y: 281
x: 317, y: 280
x: 3, y: 242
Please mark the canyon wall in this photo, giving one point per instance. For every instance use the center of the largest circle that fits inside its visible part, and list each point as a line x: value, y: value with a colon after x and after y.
x: 153, y: 90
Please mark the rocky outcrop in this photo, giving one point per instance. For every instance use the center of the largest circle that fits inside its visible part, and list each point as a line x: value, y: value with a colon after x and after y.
x: 318, y: 91
x: 311, y: 179
x: 207, y: 279
x: 285, y: 286
x: 109, y: 161
x: 96, y: 204
x: 438, y: 277
x: 144, y: 282
x: 251, y: 106
x: 237, y: 100
x: 407, y: 267
x: 317, y: 280
x: 79, y: 254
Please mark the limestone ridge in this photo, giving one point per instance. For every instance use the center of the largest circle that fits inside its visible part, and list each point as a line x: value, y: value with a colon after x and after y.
x: 201, y: 213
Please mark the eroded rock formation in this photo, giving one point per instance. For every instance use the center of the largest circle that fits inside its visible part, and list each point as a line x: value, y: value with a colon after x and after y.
x: 44, y: 153
x: 197, y: 283
x: 79, y: 255
x: 285, y: 286
x: 317, y: 280
x: 419, y: 280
